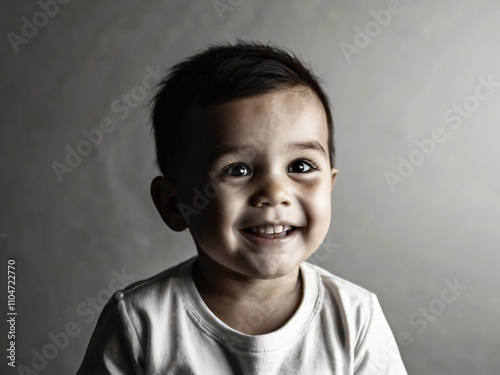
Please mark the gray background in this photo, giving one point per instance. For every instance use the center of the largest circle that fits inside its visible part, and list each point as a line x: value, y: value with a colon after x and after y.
x: 441, y: 223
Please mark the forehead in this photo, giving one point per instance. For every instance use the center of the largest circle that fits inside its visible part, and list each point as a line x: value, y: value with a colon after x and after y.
x: 271, y: 118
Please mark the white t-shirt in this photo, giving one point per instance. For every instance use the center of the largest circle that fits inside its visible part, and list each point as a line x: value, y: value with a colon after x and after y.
x: 162, y: 326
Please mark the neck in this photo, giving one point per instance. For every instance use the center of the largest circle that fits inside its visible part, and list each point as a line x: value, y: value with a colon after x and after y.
x: 249, y: 305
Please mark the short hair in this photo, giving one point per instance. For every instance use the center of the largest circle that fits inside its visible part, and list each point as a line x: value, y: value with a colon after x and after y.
x: 220, y: 74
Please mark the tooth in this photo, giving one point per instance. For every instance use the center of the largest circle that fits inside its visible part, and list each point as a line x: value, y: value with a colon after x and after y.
x: 261, y: 229
x: 269, y: 229
x: 278, y: 229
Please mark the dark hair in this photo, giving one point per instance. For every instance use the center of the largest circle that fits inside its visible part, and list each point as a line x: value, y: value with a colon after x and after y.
x: 218, y: 75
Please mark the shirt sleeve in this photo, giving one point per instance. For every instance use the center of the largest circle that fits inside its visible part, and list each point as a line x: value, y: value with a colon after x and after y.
x: 377, y: 352
x: 114, y: 347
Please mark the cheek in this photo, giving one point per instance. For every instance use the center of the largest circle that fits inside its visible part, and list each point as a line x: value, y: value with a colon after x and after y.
x: 317, y: 204
x: 319, y: 212
x: 319, y: 226
x: 216, y: 221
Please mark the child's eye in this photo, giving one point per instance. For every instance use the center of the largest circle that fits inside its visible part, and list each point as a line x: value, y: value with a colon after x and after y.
x: 301, y: 166
x: 236, y: 170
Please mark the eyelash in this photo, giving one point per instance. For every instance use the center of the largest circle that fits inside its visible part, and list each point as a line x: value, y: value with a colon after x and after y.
x: 312, y: 164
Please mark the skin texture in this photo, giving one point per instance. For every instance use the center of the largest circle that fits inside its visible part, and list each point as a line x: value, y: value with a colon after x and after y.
x: 272, y: 172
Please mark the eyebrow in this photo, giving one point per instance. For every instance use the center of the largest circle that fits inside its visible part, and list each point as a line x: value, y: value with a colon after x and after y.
x: 229, y: 149
x: 225, y: 150
x: 308, y: 145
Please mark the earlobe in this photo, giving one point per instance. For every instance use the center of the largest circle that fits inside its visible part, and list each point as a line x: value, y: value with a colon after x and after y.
x: 334, y: 176
x: 164, y: 195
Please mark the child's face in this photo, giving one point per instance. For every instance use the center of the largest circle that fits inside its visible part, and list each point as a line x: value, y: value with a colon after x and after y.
x: 267, y: 158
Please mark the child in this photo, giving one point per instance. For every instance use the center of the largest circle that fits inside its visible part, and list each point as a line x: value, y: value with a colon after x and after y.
x: 244, y: 140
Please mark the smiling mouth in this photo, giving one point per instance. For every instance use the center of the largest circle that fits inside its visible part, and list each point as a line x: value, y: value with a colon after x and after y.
x: 270, y: 232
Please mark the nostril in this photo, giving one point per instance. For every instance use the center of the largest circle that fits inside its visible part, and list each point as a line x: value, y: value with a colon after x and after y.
x: 270, y: 197
x: 271, y: 204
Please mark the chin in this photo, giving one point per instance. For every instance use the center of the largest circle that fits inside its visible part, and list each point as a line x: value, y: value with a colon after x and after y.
x: 272, y: 268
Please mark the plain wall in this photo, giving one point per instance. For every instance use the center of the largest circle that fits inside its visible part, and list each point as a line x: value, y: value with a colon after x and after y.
x: 438, y: 224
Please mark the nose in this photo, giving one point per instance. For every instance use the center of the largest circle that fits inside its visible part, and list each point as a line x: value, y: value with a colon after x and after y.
x: 270, y: 191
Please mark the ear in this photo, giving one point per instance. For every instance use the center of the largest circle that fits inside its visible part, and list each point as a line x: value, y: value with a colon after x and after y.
x: 164, y: 194
x: 334, y: 175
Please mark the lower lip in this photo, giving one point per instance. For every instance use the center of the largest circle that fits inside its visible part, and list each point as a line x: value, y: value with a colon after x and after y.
x: 271, y: 241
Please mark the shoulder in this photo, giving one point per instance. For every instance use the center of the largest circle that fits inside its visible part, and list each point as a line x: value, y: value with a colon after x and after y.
x: 134, y: 318
x: 357, y: 317
x: 153, y: 292
x: 341, y: 289
x: 347, y: 306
